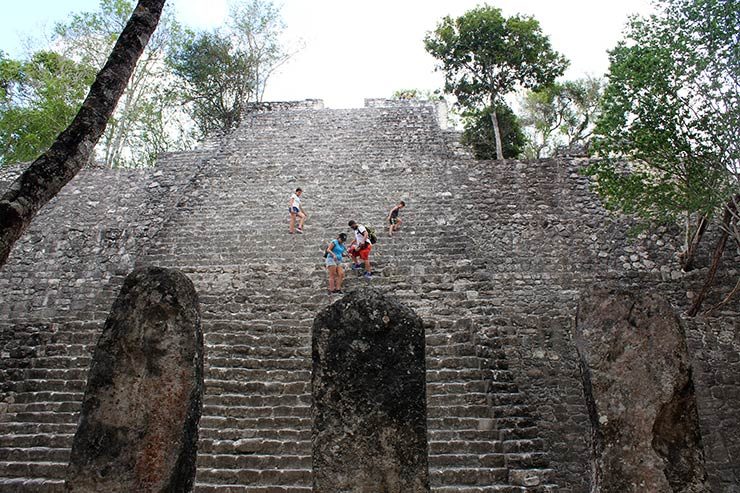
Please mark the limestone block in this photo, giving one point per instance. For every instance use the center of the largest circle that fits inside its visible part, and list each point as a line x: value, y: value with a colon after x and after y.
x: 369, y: 414
x: 640, y: 395
x: 138, y: 428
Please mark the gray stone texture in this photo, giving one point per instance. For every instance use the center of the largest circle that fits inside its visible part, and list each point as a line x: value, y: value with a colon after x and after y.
x: 138, y: 428
x: 493, y: 256
x: 637, y: 382
x: 369, y: 402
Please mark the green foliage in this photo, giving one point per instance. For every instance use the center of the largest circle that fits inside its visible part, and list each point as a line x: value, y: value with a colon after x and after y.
x: 225, y: 70
x: 38, y: 99
x: 149, y: 117
x: 417, y: 94
x: 257, y: 26
x: 485, y: 56
x: 478, y: 133
x: 561, y: 114
x: 219, y: 78
x: 671, y: 109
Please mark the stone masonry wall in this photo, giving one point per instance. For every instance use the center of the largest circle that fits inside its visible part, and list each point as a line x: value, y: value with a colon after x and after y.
x: 493, y: 256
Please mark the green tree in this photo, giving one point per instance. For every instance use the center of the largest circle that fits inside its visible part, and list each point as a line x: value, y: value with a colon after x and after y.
x: 226, y: 70
x: 478, y: 133
x: 485, y: 56
x: 219, y: 80
x: 257, y: 27
x: 38, y: 99
x: 46, y: 176
x: 417, y: 94
x: 149, y: 118
x: 671, y: 110
x: 561, y: 114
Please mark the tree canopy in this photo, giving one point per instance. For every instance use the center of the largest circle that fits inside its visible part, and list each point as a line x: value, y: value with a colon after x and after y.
x: 46, y: 176
x: 671, y: 109
x: 38, y: 99
x: 485, y: 56
x: 149, y: 119
x: 560, y: 114
x: 226, y: 70
x: 478, y: 132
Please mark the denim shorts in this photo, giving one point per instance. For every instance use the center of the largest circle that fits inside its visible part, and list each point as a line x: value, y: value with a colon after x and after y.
x: 330, y: 262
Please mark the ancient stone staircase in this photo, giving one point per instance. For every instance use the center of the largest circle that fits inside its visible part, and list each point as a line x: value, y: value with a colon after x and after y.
x: 491, y: 257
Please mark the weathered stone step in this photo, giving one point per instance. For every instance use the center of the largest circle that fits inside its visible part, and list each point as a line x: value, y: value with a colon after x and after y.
x: 484, y: 433
x: 480, y: 410
x: 258, y: 375
x: 47, y: 396
x: 454, y: 447
x: 454, y: 362
x: 287, y: 478
x: 448, y: 387
x: 247, y: 403
x: 527, y: 460
x: 482, y: 460
x: 278, y: 433
x: 31, y: 407
x: 201, y: 487
x: 22, y: 439
x: 42, y: 417
x: 469, y: 476
x: 241, y: 350
x: 253, y: 461
x: 505, y: 488
x: 34, y: 454
x: 219, y: 426
x: 225, y: 361
x: 46, y: 469
x: 257, y: 445
x: 31, y: 485
x: 61, y: 362
x: 261, y: 388
x: 456, y: 401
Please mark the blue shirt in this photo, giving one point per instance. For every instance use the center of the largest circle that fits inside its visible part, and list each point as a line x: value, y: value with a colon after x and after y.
x: 338, y: 249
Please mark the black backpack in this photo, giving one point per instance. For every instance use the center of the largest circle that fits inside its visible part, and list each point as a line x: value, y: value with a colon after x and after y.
x: 326, y: 254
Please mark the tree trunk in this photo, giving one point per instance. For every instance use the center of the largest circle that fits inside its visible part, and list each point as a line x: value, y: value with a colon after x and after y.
x: 727, y: 219
x: 68, y: 154
x: 686, y: 259
x: 496, y: 133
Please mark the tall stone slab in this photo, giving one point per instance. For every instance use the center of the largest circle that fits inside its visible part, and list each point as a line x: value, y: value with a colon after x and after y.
x: 369, y: 400
x: 138, y: 430
x: 639, y: 392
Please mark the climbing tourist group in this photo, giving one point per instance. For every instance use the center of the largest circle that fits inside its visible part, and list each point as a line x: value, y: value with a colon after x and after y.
x: 359, y: 248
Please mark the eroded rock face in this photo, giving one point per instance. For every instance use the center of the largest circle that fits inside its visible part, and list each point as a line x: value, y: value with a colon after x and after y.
x: 138, y: 429
x: 638, y: 388
x: 369, y: 415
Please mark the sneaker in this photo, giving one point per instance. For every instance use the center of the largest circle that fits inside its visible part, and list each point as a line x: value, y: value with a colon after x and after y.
x: 356, y: 266
x: 338, y: 291
x: 368, y: 275
x: 299, y: 231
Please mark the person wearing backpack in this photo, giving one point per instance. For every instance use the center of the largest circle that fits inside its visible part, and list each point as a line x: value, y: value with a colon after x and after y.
x: 333, y: 255
x: 360, y: 248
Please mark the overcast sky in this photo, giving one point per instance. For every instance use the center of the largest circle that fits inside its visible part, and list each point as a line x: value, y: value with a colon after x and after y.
x: 356, y: 50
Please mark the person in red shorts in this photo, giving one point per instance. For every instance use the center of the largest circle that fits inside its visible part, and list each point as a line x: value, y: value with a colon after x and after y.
x: 360, y: 248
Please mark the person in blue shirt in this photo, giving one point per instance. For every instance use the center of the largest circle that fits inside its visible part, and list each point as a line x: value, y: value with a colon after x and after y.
x: 333, y: 254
